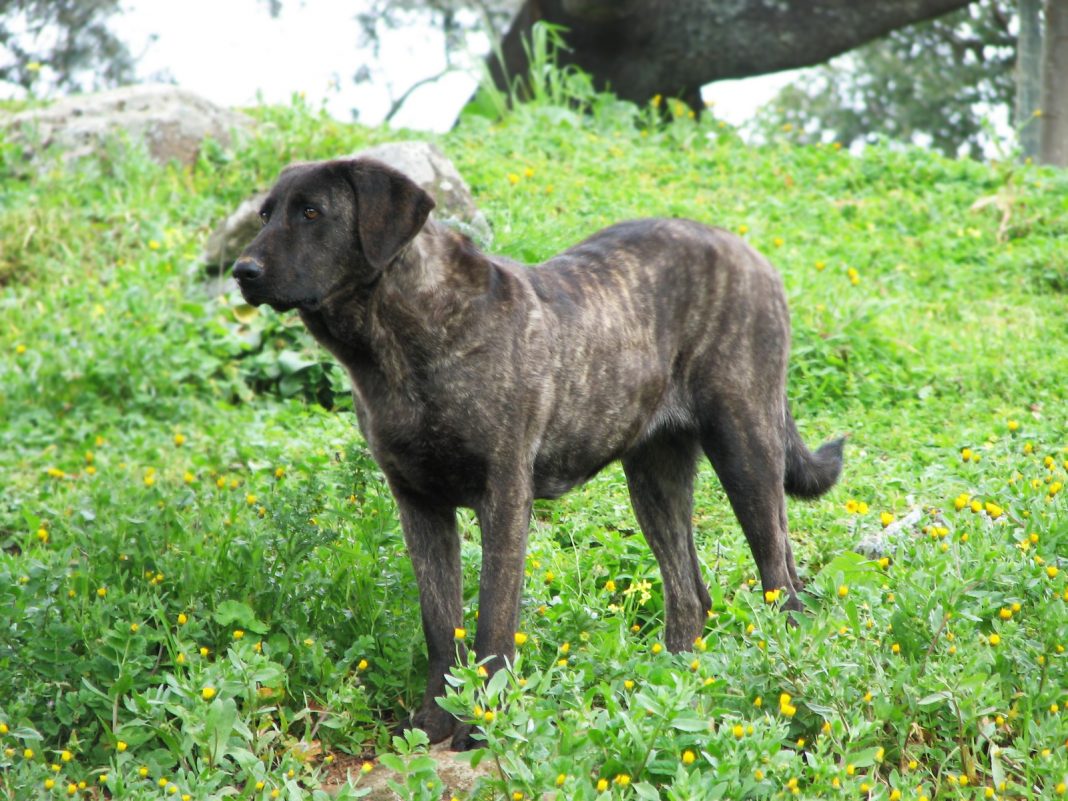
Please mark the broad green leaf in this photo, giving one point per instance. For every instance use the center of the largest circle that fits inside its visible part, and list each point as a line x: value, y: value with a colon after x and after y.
x: 236, y: 613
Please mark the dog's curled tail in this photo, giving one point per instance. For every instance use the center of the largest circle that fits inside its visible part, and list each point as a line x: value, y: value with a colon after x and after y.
x: 808, y: 474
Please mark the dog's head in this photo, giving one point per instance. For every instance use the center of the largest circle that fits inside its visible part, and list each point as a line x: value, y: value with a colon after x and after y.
x: 328, y: 225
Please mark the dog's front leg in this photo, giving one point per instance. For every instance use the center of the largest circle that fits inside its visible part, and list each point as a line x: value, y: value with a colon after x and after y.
x: 504, y: 517
x: 434, y: 547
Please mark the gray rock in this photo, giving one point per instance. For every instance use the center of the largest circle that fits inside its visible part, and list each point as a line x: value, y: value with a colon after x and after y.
x: 172, y: 123
x: 882, y: 542
x: 423, y: 162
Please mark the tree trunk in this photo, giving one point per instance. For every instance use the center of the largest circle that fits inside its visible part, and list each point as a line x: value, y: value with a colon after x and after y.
x: 1029, y: 78
x: 1055, y: 85
x: 641, y: 48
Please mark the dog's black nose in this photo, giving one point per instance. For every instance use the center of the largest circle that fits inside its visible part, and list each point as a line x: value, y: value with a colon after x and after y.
x: 247, y: 270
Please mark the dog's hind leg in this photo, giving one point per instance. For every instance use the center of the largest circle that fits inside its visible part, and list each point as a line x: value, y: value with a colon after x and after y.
x: 660, y: 476
x: 746, y: 450
x: 434, y: 548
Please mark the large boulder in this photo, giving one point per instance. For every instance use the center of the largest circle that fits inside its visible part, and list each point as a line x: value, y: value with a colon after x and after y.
x: 173, y: 123
x: 423, y: 162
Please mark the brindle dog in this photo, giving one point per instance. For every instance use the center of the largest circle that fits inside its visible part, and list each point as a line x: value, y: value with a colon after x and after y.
x: 483, y: 383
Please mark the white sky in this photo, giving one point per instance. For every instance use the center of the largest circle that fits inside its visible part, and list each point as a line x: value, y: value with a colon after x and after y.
x: 232, y: 51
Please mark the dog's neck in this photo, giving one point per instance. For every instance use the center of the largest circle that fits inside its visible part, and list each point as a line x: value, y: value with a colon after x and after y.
x: 439, y: 262
x: 421, y: 299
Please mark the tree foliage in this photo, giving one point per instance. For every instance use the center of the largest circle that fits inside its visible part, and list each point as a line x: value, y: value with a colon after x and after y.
x: 455, y: 17
x: 65, y: 45
x: 938, y: 82
x: 458, y: 21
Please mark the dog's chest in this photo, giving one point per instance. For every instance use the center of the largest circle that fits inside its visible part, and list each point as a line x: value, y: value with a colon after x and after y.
x: 424, y: 452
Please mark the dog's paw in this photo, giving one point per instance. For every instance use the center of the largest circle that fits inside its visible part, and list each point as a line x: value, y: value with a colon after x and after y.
x: 794, y: 610
x: 438, y: 724
x: 466, y: 737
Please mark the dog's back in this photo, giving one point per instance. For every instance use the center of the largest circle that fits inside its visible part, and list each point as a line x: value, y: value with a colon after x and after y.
x: 651, y: 324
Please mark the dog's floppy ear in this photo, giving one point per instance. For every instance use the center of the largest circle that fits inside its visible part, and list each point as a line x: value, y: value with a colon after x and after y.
x: 390, y: 210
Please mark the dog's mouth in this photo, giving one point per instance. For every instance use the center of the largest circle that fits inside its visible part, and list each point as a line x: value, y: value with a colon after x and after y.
x: 310, y: 305
x: 255, y: 296
x: 259, y: 288
x: 282, y: 305
x: 251, y: 296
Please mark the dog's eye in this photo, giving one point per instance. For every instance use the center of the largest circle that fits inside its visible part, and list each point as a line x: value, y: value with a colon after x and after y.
x: 264, y: 217
x: 310, y: 213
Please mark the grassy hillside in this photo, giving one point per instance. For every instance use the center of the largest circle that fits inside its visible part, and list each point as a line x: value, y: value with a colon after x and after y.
x: 203, y: 588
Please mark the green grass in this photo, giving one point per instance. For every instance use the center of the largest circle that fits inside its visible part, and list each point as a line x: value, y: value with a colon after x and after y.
x: 172, y: 475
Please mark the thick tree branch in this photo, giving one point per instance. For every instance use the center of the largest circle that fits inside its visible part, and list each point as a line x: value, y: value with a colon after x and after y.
x: 640, y: 48
x: 1054, y: 133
